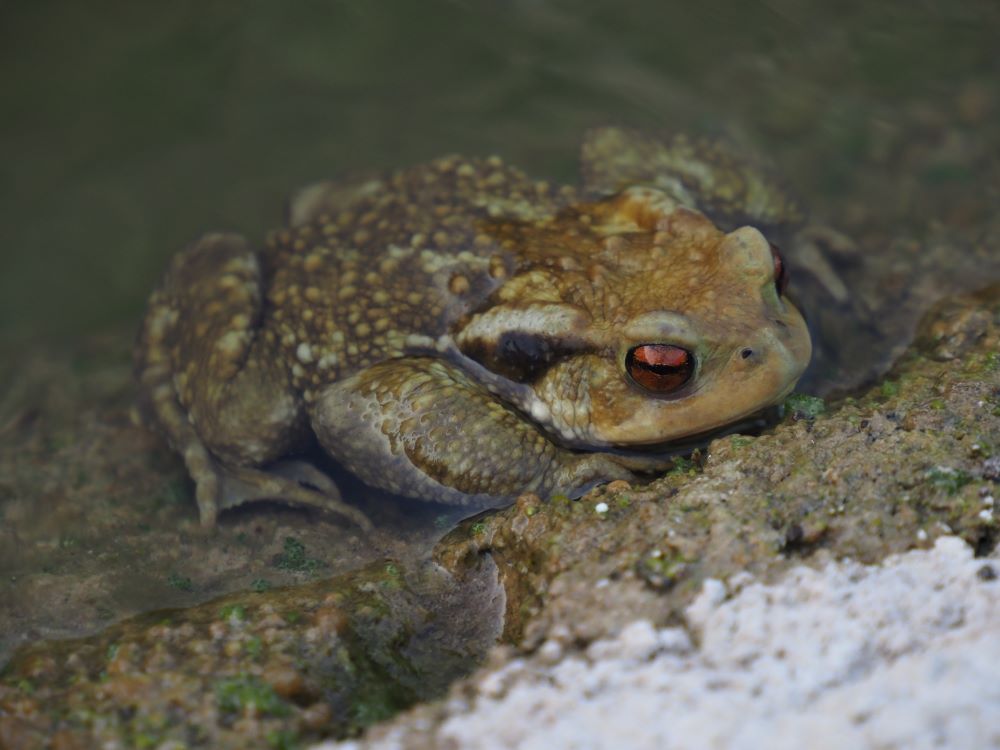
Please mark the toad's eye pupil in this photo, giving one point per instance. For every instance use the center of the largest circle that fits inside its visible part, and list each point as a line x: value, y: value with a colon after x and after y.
x: 780, y: 270
x: 660, y: 368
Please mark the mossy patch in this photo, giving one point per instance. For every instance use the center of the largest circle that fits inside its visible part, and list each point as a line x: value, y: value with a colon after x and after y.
x: 684, y: 466
x: 179, y: 582
x: 947, y: 478
x: 247, y: 694
x: 801, y: 406
x: 233, y: 613
x: 889, y: 388
x: 293, y: 557
x: 662, y: 570
x: 283, y: 739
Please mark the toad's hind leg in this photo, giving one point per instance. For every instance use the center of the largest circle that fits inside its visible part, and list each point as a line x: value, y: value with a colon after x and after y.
x: 701, y: 173
x: 211, y: 382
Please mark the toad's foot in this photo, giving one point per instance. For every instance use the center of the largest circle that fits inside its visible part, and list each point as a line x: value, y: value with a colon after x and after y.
x: 816, y: 244
x: 581, y: 474
x: 297, y: 483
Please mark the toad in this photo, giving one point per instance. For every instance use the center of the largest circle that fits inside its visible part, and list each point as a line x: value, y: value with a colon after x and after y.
x: 460, y: 333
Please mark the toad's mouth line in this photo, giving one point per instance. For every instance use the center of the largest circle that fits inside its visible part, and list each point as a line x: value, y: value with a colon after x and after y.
x: 666, y: 452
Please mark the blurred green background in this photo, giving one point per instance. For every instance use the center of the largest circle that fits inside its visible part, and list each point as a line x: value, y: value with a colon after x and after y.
x: 129, y: 128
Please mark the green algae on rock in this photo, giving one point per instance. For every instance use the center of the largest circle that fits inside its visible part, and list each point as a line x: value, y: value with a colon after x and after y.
x: 327, y: 658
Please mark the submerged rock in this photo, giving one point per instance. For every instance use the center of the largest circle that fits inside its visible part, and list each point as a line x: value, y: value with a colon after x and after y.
x: 275, y: 668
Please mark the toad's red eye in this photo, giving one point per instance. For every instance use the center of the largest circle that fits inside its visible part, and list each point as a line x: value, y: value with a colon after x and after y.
x: 780, y: 270
x: 660, y: 368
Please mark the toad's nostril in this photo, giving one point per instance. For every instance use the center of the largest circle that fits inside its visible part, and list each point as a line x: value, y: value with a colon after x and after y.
x: 746, y: 353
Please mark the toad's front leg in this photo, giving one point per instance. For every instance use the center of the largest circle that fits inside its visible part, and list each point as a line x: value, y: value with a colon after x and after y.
x: 422, y: 428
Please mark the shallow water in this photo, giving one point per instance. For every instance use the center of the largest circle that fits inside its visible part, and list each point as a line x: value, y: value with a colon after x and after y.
x: 129, y: 130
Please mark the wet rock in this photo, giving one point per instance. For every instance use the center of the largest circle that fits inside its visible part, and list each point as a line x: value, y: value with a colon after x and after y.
x: 866, y: 477
x: 347, y: 652
x: 909, y: 645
